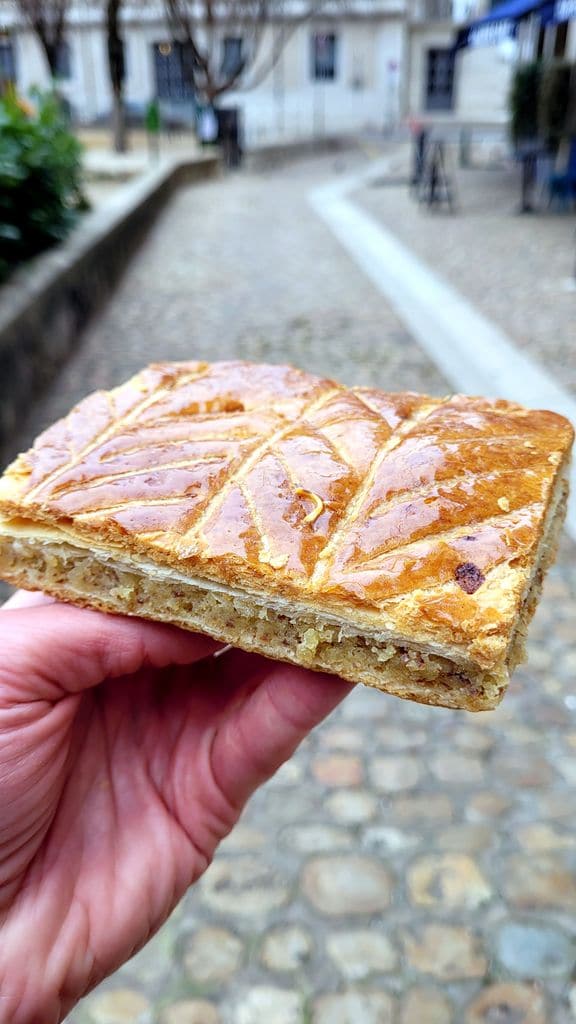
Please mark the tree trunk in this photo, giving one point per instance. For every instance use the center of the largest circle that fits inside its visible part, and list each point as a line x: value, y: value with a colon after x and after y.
x: 117, y: 70
x: 119, y: 135
x: 51, y: 51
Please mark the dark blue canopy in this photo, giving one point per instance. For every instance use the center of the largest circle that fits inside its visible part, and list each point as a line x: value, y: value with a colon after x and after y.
x: 564, y: 10
x: 502, y: 21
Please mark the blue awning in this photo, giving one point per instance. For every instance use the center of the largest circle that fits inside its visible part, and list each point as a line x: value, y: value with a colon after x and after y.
x: 502, y: 21
x: 564, y: 10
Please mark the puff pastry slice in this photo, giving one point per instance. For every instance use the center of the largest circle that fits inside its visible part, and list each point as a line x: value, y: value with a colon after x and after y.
x: 397, y: 540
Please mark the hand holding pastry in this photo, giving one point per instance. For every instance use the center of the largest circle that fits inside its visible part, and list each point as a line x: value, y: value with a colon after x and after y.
x: 127, y: 752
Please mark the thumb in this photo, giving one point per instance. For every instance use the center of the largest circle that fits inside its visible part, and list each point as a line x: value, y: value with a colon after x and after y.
x: 52, y: 650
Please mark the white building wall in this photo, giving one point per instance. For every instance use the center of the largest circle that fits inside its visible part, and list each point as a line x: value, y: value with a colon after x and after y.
x: 87, y: 89
x: 288, y: 104
x: 140, y: 86
x: 423, y: 38
x: 364, y: 95
x: 483, y: 84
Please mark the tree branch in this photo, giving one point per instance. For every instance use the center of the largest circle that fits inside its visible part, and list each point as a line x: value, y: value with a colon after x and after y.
x: 47, y: 19
x: 247, y: 18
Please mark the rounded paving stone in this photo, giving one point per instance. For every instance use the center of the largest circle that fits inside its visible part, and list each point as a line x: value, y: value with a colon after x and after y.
x: 290, y: 773
x: 425, y: 1006
x: 361, y: 952
x: 567, y: 767
x: 447, y: 882
x: 120, y: 1006
x: 394, y: 774
x: 243, y: 886
x: 401, y: 739
x: 486, y: 806
x: 352, y: 806
x: 420, y: 810
x: 338, y: 770
x: 539, y: 882
x: 473, y: 738
x: 522, y: 769
x: 508, y: 1004
x: 212, y: 955
x: 242, y: 838
x: 389, y: 840
x: 457, y: 768
x: 315, y: 838
x: 190, y: 1011
x: 446, y: 952
x: 267, y: 1004
x: 347, y: 885
x: 354, y: 1008
x: 286, y: 948
x: 341, y: 738
x: 540, y: 837
x: 532, y: 951
x: 467, y: 838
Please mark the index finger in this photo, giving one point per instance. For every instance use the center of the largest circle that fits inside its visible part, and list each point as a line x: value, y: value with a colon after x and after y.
x: 52, y: 650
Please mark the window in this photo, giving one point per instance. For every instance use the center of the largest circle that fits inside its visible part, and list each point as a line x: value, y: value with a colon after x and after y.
x: 440, y: 79
x: 174, y: 71
x: 324, y: 56
x: 7, y: 61
x: 232, y: 57
x: 64, y: 61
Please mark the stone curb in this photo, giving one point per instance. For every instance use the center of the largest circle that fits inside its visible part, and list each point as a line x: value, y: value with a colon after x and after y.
x: 45, y: 305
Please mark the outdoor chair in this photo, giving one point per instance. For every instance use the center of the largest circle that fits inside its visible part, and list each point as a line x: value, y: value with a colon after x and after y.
x: 562, y: 182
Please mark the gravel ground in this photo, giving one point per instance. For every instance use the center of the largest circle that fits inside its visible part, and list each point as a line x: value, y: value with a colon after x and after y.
x: 518, y: 270
x: 409, y: 865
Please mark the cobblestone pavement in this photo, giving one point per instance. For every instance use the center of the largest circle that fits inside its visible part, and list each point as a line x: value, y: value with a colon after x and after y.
x: 409, y: 865
x: 518, y: 270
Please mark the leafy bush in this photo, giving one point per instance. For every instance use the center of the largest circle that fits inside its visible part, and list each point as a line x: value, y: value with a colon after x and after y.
x: 524, y: 102
x: 40, y: 187
x: 553, y: 102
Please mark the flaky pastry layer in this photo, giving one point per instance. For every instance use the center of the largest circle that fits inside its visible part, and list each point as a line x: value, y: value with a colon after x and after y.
x: 283, y: 631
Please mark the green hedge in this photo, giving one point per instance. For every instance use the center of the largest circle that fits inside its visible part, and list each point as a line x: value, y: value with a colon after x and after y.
x: 554, y: 101
x: 524, y: 96
x: 40, y: 178
x: 542, y: 102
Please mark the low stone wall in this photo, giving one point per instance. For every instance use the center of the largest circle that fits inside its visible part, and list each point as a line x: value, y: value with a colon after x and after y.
x: 45, y: 305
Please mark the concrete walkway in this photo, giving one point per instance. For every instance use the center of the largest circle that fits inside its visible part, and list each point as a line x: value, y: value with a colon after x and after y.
x: 409, y: 865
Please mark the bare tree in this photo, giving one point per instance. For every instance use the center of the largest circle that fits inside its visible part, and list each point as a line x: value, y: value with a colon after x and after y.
x: 201, y: 24
x: 47, y: 18
x: 116, y: 67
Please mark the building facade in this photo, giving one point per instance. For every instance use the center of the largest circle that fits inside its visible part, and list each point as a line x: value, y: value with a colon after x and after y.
x: 367, y: 66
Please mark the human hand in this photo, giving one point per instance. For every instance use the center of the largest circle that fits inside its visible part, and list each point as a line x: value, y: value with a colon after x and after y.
x: 127, y: 752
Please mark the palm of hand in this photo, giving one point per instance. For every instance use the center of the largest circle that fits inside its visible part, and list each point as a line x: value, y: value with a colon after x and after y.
x: 115, y: 794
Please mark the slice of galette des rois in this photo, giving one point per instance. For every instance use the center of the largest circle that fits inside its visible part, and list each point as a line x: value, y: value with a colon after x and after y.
x: 394, y: 539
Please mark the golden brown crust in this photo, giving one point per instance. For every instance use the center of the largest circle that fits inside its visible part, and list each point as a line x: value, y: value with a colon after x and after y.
x: 422, y: 515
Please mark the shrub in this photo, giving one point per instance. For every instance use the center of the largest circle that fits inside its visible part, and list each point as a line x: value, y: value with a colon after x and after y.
x: 553, y: 102
x: 524, y: 102
x: 40, y: 186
